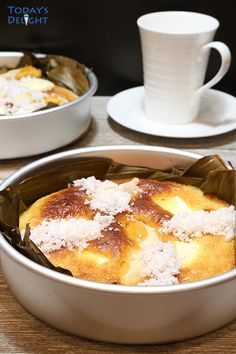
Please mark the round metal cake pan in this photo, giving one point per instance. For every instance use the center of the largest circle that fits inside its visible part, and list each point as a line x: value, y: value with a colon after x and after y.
x: 39, y: 132
x: 116, y: 313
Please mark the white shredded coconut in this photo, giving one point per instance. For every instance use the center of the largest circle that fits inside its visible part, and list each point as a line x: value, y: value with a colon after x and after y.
x: 107, y: 196
x: 161, y: 264
x: 52, y: 235
x: 219, y: 222
x: 15, y: 98
x: 91, y: 185
x: 110, y: 202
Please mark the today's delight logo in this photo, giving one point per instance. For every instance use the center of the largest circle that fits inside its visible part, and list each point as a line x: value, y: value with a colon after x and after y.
x: 23, y: 15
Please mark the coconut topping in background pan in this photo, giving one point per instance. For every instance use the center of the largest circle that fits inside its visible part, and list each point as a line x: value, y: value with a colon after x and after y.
x: 40, y: 84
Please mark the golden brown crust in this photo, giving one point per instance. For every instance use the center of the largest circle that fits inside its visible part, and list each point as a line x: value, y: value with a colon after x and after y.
x: 60, y: 95
x: 28, y: 70
x: 66, y: 203
x: 64, y: 92
x: 214, y: 256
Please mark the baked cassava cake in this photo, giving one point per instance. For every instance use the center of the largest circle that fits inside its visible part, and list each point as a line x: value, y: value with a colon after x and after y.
x: 25, y: 90
x: 134, y: 232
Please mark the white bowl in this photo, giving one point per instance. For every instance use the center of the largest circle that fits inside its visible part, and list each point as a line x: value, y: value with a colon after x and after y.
x: 117, y: 313
x: 38, y: 132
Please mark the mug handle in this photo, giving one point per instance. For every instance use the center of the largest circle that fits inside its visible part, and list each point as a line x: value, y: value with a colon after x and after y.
x: 225, y: 54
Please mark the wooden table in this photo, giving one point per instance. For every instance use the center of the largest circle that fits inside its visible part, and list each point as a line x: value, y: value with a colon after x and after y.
x: 20, y: 332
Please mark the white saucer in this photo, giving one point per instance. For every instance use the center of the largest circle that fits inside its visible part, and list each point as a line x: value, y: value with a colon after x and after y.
x: 217, y: 115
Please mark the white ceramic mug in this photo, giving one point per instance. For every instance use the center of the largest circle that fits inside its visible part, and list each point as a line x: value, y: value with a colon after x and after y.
x: 175, y: 49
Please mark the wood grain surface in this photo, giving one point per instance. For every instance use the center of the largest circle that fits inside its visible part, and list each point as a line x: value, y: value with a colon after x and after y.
x: 20, y: 332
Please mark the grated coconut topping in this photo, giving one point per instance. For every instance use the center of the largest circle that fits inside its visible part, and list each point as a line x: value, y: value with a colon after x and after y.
x: 219, y: 222
x: 161, y: 264
x: 52, y: 235
x: 107, y: 196
x: 16, y: 97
